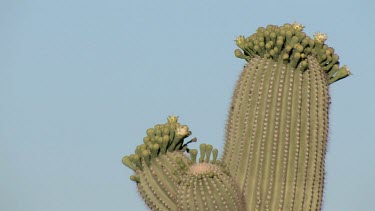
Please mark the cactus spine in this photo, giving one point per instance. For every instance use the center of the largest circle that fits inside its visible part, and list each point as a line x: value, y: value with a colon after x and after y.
x: 276, y: 134
x: 277, y: 127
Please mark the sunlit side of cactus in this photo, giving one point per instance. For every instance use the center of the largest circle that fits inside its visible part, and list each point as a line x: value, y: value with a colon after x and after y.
x: 277, y: 128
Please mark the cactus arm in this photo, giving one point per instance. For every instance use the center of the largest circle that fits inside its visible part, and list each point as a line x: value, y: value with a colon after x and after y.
x: 154, y: 163
x: 208, y: 186
x: 278, y: 120
x: 277, y: 140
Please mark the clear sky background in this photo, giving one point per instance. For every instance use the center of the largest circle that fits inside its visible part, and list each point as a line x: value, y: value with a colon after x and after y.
x: 81, y: 81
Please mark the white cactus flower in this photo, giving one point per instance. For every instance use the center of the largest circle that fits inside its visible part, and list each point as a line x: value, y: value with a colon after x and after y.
x: 320, y: 37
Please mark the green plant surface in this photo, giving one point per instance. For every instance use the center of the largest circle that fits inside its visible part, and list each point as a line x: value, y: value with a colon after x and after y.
x: 276, y: 134
x: 207, y: 185
x: 277, y: 128
x: 157, y: 173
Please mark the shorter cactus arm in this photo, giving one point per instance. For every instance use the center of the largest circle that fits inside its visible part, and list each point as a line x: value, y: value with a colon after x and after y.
x: 207, y: 185
x: 154, y: 162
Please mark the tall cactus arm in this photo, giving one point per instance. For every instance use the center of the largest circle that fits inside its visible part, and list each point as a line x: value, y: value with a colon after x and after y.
x: 277, y: 128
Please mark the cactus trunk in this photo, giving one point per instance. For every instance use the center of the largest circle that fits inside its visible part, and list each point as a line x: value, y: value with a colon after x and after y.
x: 276, y: 135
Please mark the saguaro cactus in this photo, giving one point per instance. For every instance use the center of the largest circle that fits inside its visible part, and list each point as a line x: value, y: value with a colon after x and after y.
x: 277, y: 128
x: 276, y: 134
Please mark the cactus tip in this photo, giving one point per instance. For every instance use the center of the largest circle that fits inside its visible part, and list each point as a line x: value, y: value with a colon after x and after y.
x: 182, y: 130
x: 240, y: 40
x: 342, y: 73
x: 297, y: 26
x: 172, y: 119
x: 202, y: 168
x: 320, y: 37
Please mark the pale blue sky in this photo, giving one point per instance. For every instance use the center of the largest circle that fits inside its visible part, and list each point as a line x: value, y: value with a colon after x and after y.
x: 81, y: 81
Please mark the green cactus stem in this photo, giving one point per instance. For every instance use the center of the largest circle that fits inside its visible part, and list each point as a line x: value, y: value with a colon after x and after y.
x: 157, y: 173
x: 276, y: 133
x: 207, y: 185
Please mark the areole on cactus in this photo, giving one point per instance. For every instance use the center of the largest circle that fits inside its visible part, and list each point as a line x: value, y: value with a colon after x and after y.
x: 276, y: 134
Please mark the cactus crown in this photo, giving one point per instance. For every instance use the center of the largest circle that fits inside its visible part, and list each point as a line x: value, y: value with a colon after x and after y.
x: 160, y: 139
x: 290, y: 44
x: 206, y: 164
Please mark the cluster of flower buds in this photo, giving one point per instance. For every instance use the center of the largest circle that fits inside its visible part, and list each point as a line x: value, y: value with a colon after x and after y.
x: 288, y: 43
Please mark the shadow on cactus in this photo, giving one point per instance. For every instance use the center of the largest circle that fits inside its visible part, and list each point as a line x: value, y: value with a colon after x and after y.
x: 276, y: 134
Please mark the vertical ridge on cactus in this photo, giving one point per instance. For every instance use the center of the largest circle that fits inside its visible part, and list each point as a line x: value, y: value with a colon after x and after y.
x: 292, y: 126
